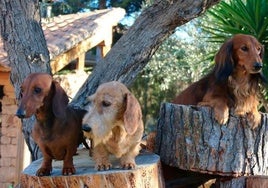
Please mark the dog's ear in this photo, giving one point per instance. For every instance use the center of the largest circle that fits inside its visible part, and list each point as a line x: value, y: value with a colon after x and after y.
x: 132, y: 114
x: 262, y: 52
x: 60, y: 100
x: 224, y: 62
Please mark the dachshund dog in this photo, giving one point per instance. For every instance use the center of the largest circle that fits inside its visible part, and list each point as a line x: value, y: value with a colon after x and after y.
x: 57, y: 130
x: 114, y: 123
x: 234, y: 82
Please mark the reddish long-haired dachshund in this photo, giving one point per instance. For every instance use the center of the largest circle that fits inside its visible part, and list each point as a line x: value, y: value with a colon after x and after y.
x: 57, y: 130
x: 233, y: 83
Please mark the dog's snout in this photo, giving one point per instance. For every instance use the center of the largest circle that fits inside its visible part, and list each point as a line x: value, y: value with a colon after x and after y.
x: 21, y: 113
x: 86, y: 128
x: 257, y: 66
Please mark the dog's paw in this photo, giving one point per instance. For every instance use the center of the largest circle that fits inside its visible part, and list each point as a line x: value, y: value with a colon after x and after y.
x: 128, y: 162
x: 68, y: 171
x: 43, y: 172
x: 128, y: 166
x: 254, y: 120
x: 221, y: 116
x: 103, y: 166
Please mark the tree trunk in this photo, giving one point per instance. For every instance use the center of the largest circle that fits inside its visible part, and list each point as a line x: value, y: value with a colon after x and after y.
x: 134, y: 49
x: 147, y: 174
x: 25, y: 44
x: 202, y: 145
x: 243, y: 182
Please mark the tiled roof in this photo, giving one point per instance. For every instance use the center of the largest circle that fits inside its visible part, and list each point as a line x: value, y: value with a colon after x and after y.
x: 66, y: 31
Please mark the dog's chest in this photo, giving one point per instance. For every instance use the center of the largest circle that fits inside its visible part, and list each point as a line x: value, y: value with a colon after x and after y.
x: 117, y: 142
x: 53, y: 143
x: 244, y: 94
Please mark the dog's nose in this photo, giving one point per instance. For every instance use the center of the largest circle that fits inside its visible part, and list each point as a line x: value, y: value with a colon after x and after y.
x: 86, y: 128
x: 21, y: 113
x: 257, y: 66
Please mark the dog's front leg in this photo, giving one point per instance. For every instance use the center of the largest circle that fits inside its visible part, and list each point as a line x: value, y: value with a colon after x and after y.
x: 128, y: 162
x: 254, y: 118
x: 46, y: 167
x: 68, y: 166
x: 101, y: 157
x: 221, y: 110
x: 128, y: 159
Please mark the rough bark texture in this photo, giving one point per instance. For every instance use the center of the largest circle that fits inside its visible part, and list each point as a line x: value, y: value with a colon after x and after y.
x: 243, y: 182
x: 23, y: 39
x: 147, y: 174
x: 25, y: 44
x: 200, y: 144
x: 133, y: 51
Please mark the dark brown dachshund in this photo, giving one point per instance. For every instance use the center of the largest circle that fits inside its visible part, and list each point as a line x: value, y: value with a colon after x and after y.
x: 57, y: 130
x: 233, y: 83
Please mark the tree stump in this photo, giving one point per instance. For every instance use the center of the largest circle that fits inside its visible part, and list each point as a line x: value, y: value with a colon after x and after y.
x: 200, y: 144
x: 146, y: 174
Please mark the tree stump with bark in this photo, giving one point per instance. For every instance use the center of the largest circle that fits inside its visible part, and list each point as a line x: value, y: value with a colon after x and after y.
x: 146, y: 174
x: 189, y: 138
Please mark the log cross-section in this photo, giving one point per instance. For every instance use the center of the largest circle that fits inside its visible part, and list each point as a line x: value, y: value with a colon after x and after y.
x: 147, y: 174
x: 189, y: 138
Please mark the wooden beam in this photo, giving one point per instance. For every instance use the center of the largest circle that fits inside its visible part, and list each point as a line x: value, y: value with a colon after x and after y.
x: 80, y: 65
x: 64, y: 59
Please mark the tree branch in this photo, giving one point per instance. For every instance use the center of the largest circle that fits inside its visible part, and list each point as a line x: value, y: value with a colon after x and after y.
x: 133, y: 51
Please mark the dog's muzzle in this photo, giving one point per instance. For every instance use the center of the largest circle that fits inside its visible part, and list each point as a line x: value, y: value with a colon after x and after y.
x: 257, y: 66
x: 86, y: 128
x: 21, y: 113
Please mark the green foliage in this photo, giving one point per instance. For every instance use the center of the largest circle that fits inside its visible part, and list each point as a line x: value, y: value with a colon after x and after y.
x: 130, y: 6
x: 238, y: 16
x: 177, y: 63
x: 157, y: 82
x: 69, y: 6
x: 74, y: 6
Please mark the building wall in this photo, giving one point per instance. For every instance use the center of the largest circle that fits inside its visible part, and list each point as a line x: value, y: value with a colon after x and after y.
x: 11, y: 139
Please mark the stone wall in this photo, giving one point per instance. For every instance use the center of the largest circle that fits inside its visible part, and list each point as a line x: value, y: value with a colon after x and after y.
x: 10, y: 144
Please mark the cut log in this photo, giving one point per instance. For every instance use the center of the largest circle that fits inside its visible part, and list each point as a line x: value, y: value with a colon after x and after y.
x: 146, y: 174
x: 189, y: 138
x: 243, y: 182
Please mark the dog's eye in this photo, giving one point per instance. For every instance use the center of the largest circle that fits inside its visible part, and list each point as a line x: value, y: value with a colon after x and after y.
x: 106, y: 103
x: 37, y: 90
x: 244, y: 48
x: 259, y: 49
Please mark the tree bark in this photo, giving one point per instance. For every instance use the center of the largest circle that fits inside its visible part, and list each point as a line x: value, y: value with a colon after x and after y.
x: 200, y: 144
x: 134, y: 49
x: 243, y: 182
x: 146, y: 174
x: 24, y: 41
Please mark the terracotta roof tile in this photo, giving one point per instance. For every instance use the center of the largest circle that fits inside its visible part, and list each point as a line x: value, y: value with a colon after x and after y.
x: 66, y: 31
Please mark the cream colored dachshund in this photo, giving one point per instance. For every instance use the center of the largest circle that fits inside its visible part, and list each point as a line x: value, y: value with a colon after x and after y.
x: 114, y: 123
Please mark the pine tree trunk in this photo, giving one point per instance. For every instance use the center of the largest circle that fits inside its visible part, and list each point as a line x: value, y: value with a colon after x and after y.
x: 202, y: 145
x: 146, y: 174
x: 188, y: 138
x: 24, y: 41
